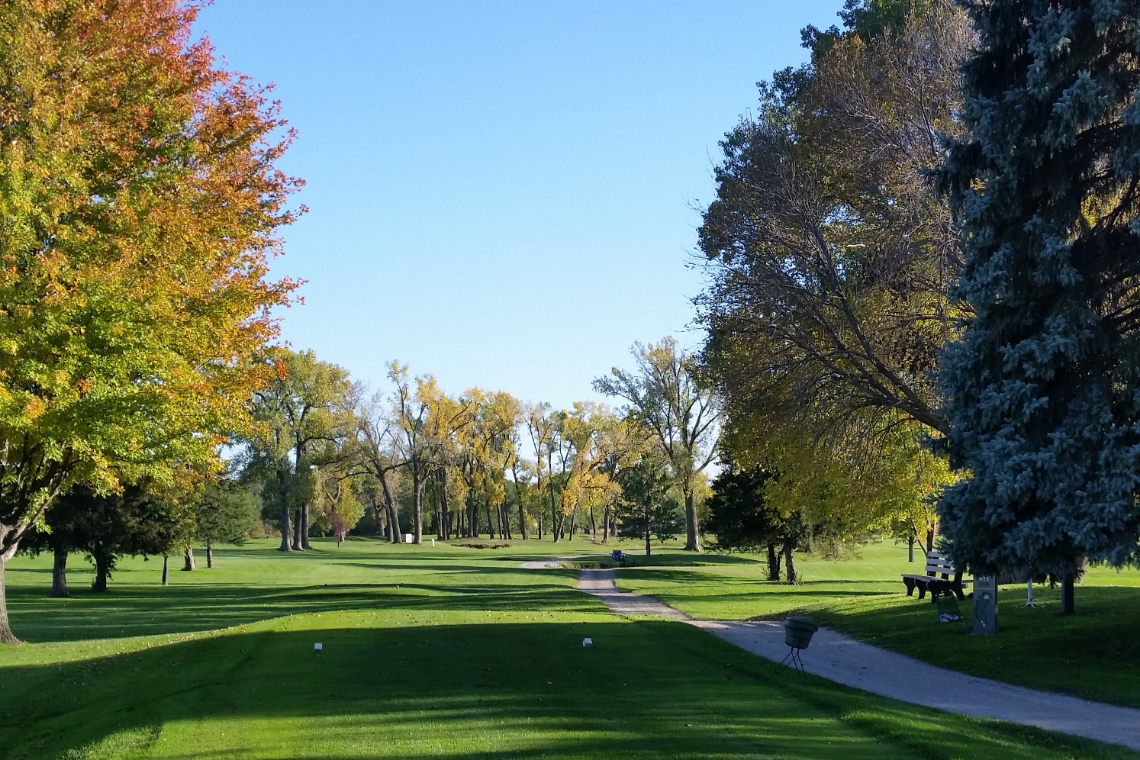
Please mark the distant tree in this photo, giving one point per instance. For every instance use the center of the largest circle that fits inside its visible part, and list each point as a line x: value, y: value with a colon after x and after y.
x: 666, y: 396
x: 744, y: 519
x: 303, y: 416
x: 1043, y: 387
x: 225, y: 514
x: 540, y: 427
x: 335, y: 503
x: 646, y: 507
x: 376, y: 446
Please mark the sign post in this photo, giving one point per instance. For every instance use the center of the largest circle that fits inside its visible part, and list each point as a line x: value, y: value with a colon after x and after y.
x: 985, y: 605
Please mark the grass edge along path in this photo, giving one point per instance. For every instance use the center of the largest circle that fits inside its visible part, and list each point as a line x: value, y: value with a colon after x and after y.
x: 1092, y: 655
x: 843, y: 660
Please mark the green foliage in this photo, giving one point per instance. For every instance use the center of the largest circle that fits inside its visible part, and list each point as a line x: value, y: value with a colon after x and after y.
x: 649, y: 503
x: 741, y: 517
x: 303, y: 418
x: 668, y: 398
x: 140, y: 203
x: 1043, y: 388
x: 830, y: 258
x: 105, y: 528
x: 226, y: 512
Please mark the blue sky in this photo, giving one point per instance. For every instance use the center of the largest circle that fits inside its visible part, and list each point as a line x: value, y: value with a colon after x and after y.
x: 502, y: 194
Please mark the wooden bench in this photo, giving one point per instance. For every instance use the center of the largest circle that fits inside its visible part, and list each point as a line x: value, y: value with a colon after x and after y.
x: 941, y: 578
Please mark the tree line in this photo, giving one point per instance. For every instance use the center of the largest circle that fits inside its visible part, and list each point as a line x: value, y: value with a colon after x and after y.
x: 410, y: 460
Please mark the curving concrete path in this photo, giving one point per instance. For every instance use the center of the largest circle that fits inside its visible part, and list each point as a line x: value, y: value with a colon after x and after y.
x: 844, y: 660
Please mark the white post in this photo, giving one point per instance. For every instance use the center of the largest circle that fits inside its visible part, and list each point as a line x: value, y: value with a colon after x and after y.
x: 1029, y: 600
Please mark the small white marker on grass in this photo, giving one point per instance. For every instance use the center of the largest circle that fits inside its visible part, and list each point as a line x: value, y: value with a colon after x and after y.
x: 318, y: 648
x: 587, y: 643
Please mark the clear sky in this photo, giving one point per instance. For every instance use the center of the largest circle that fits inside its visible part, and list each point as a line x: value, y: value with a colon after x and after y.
x: 503, y: 194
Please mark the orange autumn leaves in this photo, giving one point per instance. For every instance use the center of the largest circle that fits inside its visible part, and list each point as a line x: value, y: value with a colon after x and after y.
x: 140, y: 206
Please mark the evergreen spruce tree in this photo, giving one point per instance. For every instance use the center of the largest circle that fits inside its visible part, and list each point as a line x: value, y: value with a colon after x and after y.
x: 1043, y: 385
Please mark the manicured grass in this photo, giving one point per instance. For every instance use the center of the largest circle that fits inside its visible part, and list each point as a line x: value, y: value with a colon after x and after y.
x: 1094, y: 654
x: 427, y: 652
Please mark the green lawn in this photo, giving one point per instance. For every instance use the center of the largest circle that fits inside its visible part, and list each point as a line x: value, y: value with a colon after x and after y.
x: 428, y: 652
x: 1094, y: 654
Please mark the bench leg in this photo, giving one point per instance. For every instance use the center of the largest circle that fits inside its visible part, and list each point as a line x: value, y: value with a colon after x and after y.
x: 922, y: 592
x: 909, y: 586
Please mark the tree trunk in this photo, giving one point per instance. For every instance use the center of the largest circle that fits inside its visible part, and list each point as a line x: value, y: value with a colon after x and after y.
x: 540, y: 524
x: 910, y: 548
x: 6, y: 635
x: 102, y: 570
x: 418, y: 509
x: 519, y: 495
x: 393, y: 515
x: 1068, y: 599
x: 773, y: 563
x: 606, y: 527
x: 490, y: 521
x: 305, y: 526
x: 285, y: 545
x: 692, y: 529
x: 298, y: 546
x: 209, y: 555
x: 929, y: 541
x: 555, y: 524
x: 444, y: 517
x: 165, y: 570
x: 190, y: 565
x: 59, y: 575
x: 472, y: 515
x: 789, y: 564
x: 648, y: 548
x: 593, y: 523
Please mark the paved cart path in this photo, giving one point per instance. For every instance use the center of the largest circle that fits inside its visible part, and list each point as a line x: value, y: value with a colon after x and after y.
x: 844, y: 660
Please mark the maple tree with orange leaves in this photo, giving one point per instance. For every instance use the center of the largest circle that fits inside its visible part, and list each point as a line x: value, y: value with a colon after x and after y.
x: 140, y: 205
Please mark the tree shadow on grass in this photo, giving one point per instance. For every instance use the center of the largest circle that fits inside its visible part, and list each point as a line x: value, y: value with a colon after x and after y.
x: 129, y: 610
x: 518, y: 690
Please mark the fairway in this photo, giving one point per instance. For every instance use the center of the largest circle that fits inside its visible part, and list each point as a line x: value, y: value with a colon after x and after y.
x: 428, y: 652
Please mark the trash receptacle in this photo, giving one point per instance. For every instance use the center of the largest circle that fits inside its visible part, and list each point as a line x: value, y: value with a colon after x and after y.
x: 798, y: 631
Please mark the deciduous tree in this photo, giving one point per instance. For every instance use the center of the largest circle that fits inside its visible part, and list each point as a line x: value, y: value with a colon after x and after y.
x: 303, y: 416
x: 666, y: 396
x: 139, y: 204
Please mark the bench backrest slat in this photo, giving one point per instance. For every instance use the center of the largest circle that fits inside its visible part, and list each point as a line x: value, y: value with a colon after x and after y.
x: 939, y: 564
